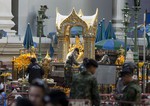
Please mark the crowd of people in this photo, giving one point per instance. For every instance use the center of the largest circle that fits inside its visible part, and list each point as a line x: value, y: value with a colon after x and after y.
x: 83, y: 85
x: 40, y: 95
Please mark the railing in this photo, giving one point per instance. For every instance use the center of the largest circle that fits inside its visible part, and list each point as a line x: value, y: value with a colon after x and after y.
x: 106, y: 100
x: 79, y: 102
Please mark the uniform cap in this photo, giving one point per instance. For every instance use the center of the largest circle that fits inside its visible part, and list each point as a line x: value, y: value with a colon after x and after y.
x: 128, y: 68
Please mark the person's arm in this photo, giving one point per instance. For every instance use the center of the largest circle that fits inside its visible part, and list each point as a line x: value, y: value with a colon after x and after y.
x: 95, y: 93
x: 75, y: 60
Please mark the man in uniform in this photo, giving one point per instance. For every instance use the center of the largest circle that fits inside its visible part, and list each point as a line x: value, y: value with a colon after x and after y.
x: 131, y: 91
x: 70, y: 61
x: 84, y: 84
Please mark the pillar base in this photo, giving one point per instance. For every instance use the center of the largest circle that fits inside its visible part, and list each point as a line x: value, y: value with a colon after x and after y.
x: 6, y: 16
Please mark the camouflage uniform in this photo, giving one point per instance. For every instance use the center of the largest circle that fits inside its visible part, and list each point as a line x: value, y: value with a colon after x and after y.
x: 84, y: 86
x: 132, y: 93
x: 70, y: 61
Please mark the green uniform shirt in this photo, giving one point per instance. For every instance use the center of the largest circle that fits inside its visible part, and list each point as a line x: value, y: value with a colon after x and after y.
x: 132, y: 92
x: 84, y: 86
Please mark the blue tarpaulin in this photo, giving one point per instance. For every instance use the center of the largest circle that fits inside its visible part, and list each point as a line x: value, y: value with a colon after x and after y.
x: 54, y: 40
x: 51, y: 50
x: 53, y: 37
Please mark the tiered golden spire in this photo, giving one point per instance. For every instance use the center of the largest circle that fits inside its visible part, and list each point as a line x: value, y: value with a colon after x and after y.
x: 47, y: 56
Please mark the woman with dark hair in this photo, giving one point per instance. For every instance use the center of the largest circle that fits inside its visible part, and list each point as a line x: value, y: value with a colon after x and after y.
x: 84, y: 85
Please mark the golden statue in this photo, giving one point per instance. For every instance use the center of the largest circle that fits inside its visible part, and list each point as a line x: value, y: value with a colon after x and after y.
x: 46, y: 65
x: 32, y: 52
x: 78, y: 45
x: 121, y: 59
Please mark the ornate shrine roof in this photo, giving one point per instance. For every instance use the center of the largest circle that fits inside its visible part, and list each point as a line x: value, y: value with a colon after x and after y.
x: 89, y: 20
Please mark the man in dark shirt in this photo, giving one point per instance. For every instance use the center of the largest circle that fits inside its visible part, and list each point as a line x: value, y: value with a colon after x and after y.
x: 34, y: 70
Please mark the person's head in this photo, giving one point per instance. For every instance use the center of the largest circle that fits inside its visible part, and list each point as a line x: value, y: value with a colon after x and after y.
x: 76, y: 50
x: 23, y: 102
x: 37, y: 91
x: 127, y: 72
x: 90, y: 65
x: 33, y: 60
x: 56, y: 98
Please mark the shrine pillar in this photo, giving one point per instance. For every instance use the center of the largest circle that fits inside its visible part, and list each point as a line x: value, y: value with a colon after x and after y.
x: 89, y: 47
x: 117, y: 7
x: 62, y: 53
x: 5, y: 17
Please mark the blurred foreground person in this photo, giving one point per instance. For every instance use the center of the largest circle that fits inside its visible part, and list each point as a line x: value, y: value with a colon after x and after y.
x: 23, y: 102
x: 70, y: 61
x: 34, y: 70
x: 84, y: 85
x: 37, y: 91
x: 131, y: 91
x: 56, y: 98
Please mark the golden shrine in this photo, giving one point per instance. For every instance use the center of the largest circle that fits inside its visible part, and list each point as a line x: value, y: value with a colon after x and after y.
x: 64, y: 23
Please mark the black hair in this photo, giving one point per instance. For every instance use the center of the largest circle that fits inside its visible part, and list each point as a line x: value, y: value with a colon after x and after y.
x: 124, y: 73
x: 76, y: 49
x: 39, y: 83
x: 56, y: 97
x: 33, y: 60
x: 23, y: 102
x: 89, y: 62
